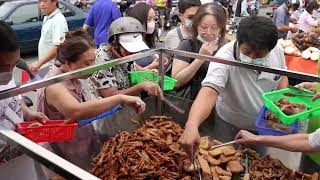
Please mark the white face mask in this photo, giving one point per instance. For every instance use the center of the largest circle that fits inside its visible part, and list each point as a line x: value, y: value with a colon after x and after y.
x: 203, y: 40
x: 291, y: 12
x: 150, y: 27
x: 5, y: 78
x: 188, y: 23
x: 247, y: 59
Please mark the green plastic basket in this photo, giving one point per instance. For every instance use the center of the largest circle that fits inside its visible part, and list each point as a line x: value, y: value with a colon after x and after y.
x: 137, y: 77
x: 271, y: 97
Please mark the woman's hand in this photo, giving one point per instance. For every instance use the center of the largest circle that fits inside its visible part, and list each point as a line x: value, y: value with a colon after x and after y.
x: 34, y: 67
x: 152, y: 89
x: 246, y: 137
x: 208, y: 48
x: 134, y: 102
x: 190, y: 140
x: 35, y: 116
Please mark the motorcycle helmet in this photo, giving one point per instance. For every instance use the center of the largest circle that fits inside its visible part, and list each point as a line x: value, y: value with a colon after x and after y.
x: 124, y: 25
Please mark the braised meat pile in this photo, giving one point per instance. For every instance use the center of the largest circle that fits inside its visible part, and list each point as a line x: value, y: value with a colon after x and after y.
x: 219, y: 163
x: 147, y: 153
x: 267, y: 168
x: 290, y: 108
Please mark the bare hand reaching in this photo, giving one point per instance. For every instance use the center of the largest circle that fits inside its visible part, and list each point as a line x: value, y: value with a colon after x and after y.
x: 190, y: 140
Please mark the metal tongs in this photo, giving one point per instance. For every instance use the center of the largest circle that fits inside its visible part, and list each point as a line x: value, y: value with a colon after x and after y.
x: 171, y: 104
x: 175, y: 107
x: 301, y: 90
x: 196, y: 163
x: 224, y: 144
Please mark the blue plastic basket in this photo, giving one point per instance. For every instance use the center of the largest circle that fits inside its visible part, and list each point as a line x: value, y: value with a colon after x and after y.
x: 263, y: 129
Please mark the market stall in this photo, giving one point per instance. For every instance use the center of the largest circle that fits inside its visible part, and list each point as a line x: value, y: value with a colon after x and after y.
x: 88, y: 140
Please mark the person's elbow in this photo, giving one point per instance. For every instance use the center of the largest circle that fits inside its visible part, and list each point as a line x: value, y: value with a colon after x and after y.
x: 74, y: 114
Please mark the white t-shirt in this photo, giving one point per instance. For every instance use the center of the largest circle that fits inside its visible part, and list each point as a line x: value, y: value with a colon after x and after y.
x: 173, y: 40
x: 240, y: 90
x: 54, y: 27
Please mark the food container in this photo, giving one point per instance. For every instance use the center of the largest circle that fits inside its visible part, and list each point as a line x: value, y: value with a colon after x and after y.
x: 263, y: 126
x: 52, y: 131
x: 271, y: 97
x: 145, y: 76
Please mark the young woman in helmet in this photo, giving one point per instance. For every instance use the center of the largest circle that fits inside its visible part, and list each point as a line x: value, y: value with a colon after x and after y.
x: 125, y: 38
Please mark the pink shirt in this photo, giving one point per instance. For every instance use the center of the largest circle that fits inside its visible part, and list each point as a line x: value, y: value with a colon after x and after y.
x: 306, y: 22
x: 75, y: 88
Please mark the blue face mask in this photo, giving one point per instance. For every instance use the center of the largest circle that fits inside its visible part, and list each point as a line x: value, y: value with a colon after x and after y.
x: 203, y: 40
x: 247, y: 59
x: 188, y: 23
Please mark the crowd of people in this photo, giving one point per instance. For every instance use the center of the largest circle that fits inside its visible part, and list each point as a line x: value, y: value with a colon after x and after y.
x: 233, y: 93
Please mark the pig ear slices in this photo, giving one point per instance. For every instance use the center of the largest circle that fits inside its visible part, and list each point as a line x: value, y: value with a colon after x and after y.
x: 218, y: 163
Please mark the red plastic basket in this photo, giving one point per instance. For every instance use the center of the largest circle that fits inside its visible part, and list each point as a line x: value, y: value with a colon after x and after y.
x: 52, y: 131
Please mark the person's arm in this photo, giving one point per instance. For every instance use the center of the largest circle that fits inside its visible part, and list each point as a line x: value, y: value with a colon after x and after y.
x: 52, y: 54
x: 85, y: 27
x: 284, y: 82
x: 184, y: 71
x: 216, y: 79
x: 59, y: 97
x: 190, y: 138
x: 293, y: 142
x: 29, y: 115
x: 89, y: 22
x: 151, y: 88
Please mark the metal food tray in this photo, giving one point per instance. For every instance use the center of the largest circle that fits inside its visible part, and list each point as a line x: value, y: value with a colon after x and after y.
x: 89, y: 139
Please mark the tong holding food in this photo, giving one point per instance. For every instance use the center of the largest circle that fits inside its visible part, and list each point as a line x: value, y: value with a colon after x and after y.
x: 196, y: 165
x: 224, y: 144
x: 301, y: 89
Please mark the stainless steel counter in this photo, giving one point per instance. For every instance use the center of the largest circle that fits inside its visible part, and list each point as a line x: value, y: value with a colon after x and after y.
x: 81, y: 151
x: 88, y: 139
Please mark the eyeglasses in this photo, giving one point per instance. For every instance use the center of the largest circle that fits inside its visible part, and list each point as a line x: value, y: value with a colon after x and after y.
x: 209, y: 29
x: 43, y: 1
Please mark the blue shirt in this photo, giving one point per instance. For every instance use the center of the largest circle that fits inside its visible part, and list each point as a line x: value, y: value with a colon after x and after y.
x: 281, y: 17
x: 101, y: 15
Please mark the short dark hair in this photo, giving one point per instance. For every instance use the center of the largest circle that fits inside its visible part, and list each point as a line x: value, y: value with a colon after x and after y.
x: 293, y: 6
x: 312, y: 6
x: 212, y: 9
x: 75, y: 44
x: 258, y: 32
x: 183, y: 5
x: 140, y: 11
x: 9, y: 38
